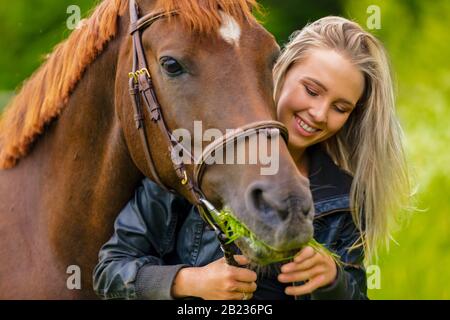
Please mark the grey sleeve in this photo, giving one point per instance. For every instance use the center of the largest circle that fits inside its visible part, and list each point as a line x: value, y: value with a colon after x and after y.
x: 130, y: 264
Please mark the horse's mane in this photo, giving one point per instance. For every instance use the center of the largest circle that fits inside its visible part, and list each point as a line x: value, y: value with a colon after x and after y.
x: 44, y: 96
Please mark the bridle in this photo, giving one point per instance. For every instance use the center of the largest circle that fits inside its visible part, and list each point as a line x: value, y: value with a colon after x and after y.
x: 141, y: 89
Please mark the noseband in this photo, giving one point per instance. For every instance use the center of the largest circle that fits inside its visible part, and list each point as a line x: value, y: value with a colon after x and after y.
x: 141, y: 89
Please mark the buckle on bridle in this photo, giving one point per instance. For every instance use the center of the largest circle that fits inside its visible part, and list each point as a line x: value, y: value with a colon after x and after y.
x: 185, y: 179
x: 133, y: 75
x: 143, y: 71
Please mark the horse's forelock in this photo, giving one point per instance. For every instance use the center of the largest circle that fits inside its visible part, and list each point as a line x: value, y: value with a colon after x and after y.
x: 205, y: 16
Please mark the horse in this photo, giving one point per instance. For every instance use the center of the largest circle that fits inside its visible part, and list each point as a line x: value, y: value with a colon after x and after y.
x: 71, y: 155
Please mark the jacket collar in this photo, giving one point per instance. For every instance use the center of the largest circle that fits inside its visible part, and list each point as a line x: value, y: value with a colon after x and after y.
x: 330, y: 185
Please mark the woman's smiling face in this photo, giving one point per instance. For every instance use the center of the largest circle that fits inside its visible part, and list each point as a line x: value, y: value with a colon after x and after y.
x: 318, y: 95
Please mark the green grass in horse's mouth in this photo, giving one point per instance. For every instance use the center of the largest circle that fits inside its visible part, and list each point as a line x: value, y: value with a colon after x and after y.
x: 236, y: 230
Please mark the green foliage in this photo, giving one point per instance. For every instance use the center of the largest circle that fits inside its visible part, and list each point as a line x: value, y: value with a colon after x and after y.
x: 416, y: 36
x: 29, y: 31
x: 283, y: 17
x: 4, y: 98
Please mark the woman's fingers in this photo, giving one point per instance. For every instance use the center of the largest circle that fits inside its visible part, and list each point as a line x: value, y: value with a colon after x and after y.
x: 240, y: 273
x: 308, y: 264
x: 223, y: 281
x: 242, y: 260
x: 240, y: 296
x: 239, y: 286
x: 305, y: 264
x: 305, y: 253
x: 243, y: 290
x: 307, y: 288
x: 245, y: 275
x: 300, y: 275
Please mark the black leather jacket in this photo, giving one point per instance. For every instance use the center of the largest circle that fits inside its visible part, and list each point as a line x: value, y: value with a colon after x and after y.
x: 157, y: 233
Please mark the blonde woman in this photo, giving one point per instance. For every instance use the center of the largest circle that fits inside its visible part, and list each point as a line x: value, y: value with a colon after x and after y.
x: 334, y: 93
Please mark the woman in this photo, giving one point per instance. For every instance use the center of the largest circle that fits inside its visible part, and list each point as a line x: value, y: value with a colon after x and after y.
x: 334, y: 94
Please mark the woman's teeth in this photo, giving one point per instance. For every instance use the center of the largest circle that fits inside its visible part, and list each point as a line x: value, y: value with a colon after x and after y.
x: 306, y: 127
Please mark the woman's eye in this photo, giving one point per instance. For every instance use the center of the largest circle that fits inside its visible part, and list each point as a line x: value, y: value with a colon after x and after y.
x: 339, y: 109
x: 310, y: 92
x: 171, y: 66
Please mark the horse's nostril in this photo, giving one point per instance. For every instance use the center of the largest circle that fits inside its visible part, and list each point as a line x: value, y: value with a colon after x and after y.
x: 295, y: 204
x: 260, y: 203
x: 266, y: 205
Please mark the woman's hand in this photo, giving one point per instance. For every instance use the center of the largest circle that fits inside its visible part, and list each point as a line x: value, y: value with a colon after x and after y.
x: 317, y: 268
x: 216, y: 281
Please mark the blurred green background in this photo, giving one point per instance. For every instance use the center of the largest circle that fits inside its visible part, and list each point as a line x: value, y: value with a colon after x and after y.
x: 416, y: 34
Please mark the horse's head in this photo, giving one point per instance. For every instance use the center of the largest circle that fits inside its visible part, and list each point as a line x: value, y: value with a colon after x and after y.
x: 215, y: 66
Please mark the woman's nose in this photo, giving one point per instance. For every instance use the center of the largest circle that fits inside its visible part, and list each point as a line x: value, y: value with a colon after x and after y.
x: 319, y: 112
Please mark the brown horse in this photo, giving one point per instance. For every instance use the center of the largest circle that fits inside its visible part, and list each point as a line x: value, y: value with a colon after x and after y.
x: 71, y: 156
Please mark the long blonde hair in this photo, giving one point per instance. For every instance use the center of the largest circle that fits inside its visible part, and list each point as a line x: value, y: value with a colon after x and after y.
x: 369, y: 146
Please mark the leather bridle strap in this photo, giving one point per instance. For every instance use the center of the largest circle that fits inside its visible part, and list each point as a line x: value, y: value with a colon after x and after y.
x: 141, y: 86
x: 136, y: 98
x: 268, y: 127
x: 148, y: 20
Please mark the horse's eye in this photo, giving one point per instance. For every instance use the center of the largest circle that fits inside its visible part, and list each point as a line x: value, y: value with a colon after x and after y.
x: 171, y: 66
